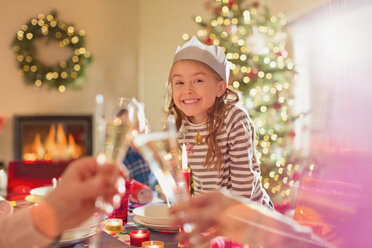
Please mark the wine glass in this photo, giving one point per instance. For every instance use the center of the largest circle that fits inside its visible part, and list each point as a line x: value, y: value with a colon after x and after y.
x: 160, y: 149
x: 117, y: 122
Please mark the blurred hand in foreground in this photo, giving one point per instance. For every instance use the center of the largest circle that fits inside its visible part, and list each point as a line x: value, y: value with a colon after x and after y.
x: 73, y: 201
x: 221, y: 214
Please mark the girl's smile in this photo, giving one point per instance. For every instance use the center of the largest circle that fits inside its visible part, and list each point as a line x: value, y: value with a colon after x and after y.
x: 191, y: 101
x: 195, y: 87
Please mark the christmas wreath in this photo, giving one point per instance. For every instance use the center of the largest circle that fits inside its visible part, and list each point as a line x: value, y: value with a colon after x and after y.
x: 64, y: 74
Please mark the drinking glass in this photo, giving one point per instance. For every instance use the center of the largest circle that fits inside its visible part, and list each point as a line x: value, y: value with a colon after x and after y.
x: 160, y: 149
x: 117, y: 122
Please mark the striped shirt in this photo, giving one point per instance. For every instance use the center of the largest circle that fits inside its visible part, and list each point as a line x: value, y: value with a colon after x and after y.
x: 239, y: 172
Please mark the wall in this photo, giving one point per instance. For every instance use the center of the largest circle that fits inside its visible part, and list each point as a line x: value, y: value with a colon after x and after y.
x: 133, y: 43
x: 112, y: 32
x: 162, y: 24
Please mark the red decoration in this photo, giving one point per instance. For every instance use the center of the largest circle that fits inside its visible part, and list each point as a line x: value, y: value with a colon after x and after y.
x: 138, y: 236
x: 256, y: 4
x: 277, y: 105
x: 208, y: 41
x: 230, y: 3
x: 283, y: 207
x: 122, y: 211
x: 189, y: 148
x: 279, y: 53
x: 292, y: 134
x: 2, y: 122
x: 186, y: 175
x: 217, y: 10
x: 296, y: 176
x: 253, y: 73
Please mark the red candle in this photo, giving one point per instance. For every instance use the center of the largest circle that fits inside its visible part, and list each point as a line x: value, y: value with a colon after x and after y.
x: 139, y: 236
x: 186, y: 174
x: 185, y: 171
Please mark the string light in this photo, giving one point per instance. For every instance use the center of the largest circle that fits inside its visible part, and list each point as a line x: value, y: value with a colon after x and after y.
x: 259, y: 65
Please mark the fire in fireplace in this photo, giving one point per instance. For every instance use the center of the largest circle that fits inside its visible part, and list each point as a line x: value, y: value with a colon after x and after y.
x: 52, y: 138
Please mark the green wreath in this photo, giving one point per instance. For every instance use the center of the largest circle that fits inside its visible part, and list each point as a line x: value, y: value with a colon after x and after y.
x: 63, y: 75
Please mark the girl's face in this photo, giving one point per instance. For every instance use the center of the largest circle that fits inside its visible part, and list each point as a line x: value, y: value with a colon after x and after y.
x: 195, y: 88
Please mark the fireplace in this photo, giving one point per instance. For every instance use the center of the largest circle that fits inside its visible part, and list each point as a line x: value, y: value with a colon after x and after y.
x: 52, y: 137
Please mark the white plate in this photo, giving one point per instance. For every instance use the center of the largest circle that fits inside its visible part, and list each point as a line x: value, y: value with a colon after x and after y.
x: 63, y: 243
x: 159, y: 228
x: 157, y: 214
x: 81, y: 232
x: 41, y: 191
x: 34, y: 198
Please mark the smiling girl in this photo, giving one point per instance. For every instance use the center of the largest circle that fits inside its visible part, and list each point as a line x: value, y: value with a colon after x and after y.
x: 218, y: 133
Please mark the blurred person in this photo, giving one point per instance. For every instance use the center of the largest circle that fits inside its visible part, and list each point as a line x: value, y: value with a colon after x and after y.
x: 138, y: 168
x: 220, y: 213
x: 67, y: 206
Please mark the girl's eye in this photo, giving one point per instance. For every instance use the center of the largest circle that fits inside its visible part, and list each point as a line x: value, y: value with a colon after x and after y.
x: 178, y: 83
x: 198, y: 81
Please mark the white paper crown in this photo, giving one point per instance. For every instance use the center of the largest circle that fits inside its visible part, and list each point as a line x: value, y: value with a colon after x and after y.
x: 211, y: 55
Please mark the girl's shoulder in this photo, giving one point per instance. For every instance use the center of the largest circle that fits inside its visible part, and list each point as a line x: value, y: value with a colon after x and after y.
x: 235, y: 111
x: 236, y: 115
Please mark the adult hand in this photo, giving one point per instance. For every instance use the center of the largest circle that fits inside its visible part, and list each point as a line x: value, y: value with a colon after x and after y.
x: 206, y: 213
x: 222, y: 214
x: 84, y: 180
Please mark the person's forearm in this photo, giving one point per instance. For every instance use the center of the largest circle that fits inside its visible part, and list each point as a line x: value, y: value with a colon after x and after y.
x: 19, y: 231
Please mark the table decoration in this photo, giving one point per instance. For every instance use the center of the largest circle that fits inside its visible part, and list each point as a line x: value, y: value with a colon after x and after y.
x: 185, y: 170
x: 122, y: 211
x: 114, y: 225
x: 138, y: 236
x: 153, y: 244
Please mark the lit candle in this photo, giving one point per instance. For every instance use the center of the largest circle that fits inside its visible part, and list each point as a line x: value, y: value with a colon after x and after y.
x: 114, y: 225
x: 186, y: 175
x: 184, y: 157
x: 185, y: 171
x: 139, y: 236
x: 153, y: 244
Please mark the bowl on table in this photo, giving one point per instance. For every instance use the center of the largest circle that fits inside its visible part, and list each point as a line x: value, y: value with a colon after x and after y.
x: 157, y: 214
x: 85, y: 230
x: 38, y: 194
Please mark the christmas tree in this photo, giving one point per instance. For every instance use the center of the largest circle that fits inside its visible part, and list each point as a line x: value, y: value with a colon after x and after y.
x: 254, y: 40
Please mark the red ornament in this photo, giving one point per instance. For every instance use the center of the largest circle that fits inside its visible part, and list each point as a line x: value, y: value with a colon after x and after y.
x: 230, y: 3
x: 279, y: 53
x: 277, y: 105
x: 256, y: 4
x: 296, y: 176
x: 292, y: 134
x: 283, y: 207
x: 208, y: 41
x: 251, y: 75
x: 217, y: 10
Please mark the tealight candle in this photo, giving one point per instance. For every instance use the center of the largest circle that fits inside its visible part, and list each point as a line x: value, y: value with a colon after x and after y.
x: 138, y: 236
x: 114, y: 225
x: 153, y: 244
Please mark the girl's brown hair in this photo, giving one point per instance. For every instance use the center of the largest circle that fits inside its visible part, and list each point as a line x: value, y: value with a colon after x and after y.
x: 216, y: 116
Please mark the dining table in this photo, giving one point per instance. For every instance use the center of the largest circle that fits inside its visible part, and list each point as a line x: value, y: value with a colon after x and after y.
x: 120, y: 240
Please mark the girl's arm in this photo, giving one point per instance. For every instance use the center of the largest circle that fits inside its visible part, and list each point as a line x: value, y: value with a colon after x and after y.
x: 244, y: 170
